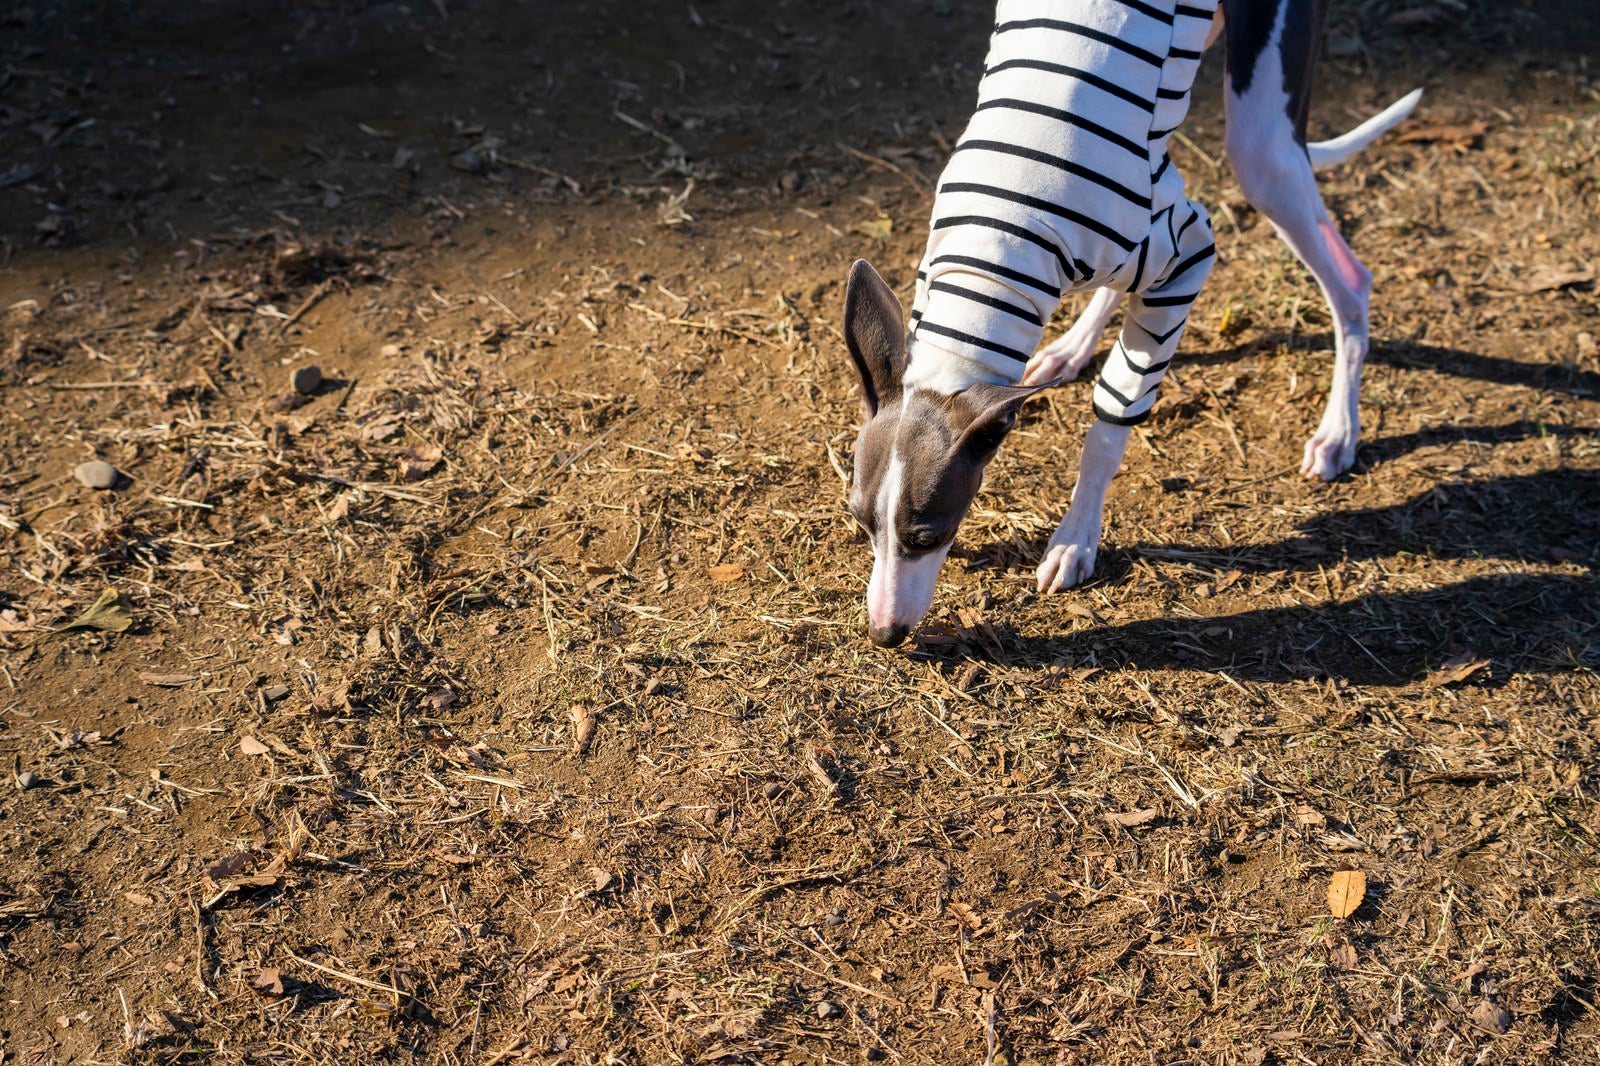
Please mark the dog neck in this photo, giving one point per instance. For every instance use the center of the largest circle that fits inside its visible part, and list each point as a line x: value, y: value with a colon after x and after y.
x: 934, y: 368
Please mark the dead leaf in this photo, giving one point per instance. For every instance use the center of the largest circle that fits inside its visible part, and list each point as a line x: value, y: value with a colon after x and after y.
x: 1490, y: 1016
x: 138, y: 899
x: 418, y: 463
x: 1453, y: 135
x: 1548, y: 278
x: 824, y: 766
x: 252, y: 746
x: 1346, y: 891
x: 1131, y: 819
x: 111, y: 612
x: 1425, y: 15
x: 1343, y: 957
x: 223, y: 877
x: 965, y: 916
x: 269, y: 981
x: 225, y: 867
x: 1453, y: 671
x: 878, y: 229
x: 168, y: 680
x: 1310, y: 817
x: 584, y: 724
x: 725, y: 572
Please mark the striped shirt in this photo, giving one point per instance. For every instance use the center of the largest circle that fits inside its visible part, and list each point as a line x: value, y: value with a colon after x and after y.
x: 1062, y: 182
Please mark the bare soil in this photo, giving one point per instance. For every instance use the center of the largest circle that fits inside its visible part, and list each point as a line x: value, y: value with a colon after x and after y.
x: 505, y: 698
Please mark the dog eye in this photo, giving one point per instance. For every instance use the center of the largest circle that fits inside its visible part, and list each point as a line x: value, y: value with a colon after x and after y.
x: 923, y: 538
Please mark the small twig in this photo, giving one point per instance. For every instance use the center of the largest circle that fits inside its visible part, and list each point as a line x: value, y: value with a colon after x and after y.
x: 518, y: 319
x: 916, y: 184
x: 377, y: 986
x: 1172, y: 782
x: 708, y: 327
x: 1197, y: 150
x: 546, y: 171
x: 87, y: 385
x: 200, y: 948
x: 990, y: 1042
x: 310, y: 301
x: 842, y: 983
x: 516, y: 1045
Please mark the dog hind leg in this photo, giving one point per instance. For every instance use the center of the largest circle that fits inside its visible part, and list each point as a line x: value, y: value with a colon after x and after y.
x: 1265, y: 146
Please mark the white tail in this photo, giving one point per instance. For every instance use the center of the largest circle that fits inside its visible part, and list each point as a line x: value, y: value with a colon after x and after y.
x: 1331, y: 153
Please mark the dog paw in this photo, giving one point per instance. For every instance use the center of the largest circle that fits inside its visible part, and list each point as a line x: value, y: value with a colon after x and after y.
x: 1067, y: 563
x: 1061, y: 360
x: 1327, y: 456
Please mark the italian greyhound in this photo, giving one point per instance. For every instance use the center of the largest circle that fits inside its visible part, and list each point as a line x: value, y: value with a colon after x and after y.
x: 1062, y: 183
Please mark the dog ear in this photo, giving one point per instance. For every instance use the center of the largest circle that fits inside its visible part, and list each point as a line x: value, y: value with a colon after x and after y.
x: 875, y: 332
x: 994, y: 411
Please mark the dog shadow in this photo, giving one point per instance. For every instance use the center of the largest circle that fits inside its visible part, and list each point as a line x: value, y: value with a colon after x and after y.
x: 1539, y: 622
x: 1456, y: 362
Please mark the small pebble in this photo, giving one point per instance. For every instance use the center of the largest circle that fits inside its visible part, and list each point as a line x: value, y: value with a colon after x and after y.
x: 390, y: 351
x: 26, y: 780
x: 833, y: 921
x: 826, y: 1010
x: 96, y: 474
x: 276, y: 692
x: 471, y: 161
x: 773, y: 790
x: 307, y: 379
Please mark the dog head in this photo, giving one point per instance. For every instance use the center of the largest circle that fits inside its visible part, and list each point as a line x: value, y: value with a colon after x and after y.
x: 919, y: 458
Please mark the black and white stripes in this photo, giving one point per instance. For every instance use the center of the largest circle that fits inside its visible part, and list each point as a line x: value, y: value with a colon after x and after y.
x: 1062, y: 182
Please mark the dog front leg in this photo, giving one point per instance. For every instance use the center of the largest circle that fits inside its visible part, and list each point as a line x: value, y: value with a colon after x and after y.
x: 1069, y: 557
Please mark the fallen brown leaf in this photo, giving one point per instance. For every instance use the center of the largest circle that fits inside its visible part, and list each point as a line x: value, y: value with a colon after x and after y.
x: 1459, y: 136
x: 1548, y: 278
x: 252, y: 746
x: 269, y: 981
x: 168, y: 680
x: 1346, y: 891
x: 111, y: 613
x: 1456, y: 670
x: 1132, y: 819
x: 824, y: 766
x: 965, y: 916
x: 1490, y: 1016
x: 584, y: 724
x: 878, y: 229
x: 725, y: 572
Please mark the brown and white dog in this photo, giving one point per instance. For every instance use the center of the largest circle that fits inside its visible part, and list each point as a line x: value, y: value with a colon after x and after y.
x: 935, y: 412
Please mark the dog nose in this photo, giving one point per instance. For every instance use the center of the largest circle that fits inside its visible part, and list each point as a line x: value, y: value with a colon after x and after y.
x: 888, y: 636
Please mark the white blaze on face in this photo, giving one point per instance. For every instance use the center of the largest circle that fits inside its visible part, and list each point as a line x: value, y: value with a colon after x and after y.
x: 901, y: 589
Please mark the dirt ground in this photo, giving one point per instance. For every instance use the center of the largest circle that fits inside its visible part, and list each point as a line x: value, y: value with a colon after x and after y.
x: 505, y: 697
